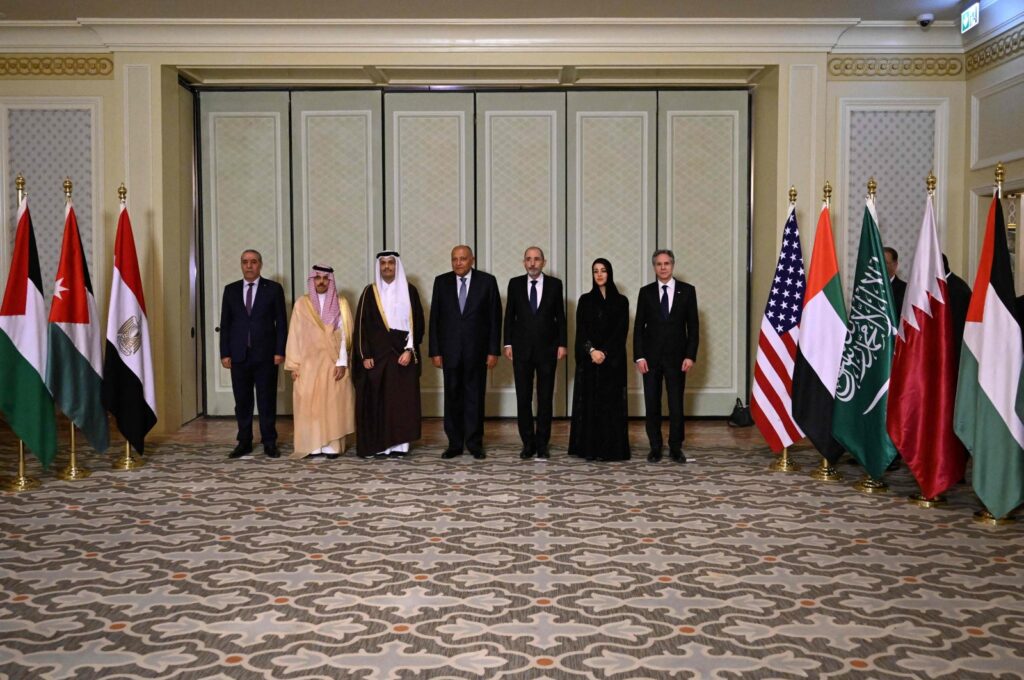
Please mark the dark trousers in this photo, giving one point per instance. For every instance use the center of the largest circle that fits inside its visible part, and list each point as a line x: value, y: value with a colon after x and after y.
x: 675, y: 382
x: 524, y: 372
x: 261, y: 376
x: 465, y: 387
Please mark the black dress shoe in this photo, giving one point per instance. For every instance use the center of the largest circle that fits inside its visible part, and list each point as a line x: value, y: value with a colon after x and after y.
x: 331, y: 456
x: 526, y: 453
x: 271, y: 451
x: 243, y: 449
x: 654, y: 456
x: 677, y: 456
x: 479, y: 455
x: 451, y: 453
x: 894, y: 465
x: 543, y: 454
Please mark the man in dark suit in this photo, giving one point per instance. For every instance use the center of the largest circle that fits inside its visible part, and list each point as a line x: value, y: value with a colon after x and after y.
x: 899, y: 286
x: 665, y: 336
x: 253, y: 334
x: 465, y: 338
x: 535, y: 341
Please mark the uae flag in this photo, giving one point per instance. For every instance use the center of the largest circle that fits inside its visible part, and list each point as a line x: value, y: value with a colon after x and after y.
x: 74, y: 365
x: 922, y: 390
x: 820, y: 348
x: 128, y: 385
x: 862, y: 392
x: 24, y: 400
x: 771, y: 396
x: 990, y: 365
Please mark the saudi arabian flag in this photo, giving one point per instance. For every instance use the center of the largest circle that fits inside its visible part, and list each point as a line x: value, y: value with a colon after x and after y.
x: 862, y: 393
x: 24, y: 400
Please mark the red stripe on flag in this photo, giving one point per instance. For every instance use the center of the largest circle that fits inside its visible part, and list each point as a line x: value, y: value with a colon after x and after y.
x: 976, y: 310
x: 125, y: 259
x: 823, y: 259
x: 766, y: 426
x: 17, y: 278
x: 784, y: 418
x: 778, y: 367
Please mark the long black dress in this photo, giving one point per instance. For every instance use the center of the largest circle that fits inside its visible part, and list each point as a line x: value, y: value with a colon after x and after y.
x: 598, y: 429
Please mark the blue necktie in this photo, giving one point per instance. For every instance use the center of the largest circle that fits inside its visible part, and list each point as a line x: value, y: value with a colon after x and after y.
x: 664, y: 301
x: 533, y: 295
x: 462, y: 294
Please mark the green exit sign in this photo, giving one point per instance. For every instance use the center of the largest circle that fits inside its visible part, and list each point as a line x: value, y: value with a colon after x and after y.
x: 970, y: 17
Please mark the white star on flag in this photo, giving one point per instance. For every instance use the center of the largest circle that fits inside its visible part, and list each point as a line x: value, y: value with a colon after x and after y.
x: 58, y: 288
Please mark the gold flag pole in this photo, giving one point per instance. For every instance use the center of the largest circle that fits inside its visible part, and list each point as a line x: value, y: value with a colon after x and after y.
x: 984, y: 516
x: 826, y: 472
x: 869, y: 484
x: 73, y: 471
x: 21, y: 482
x: 783, y: 463
x: 918, y: 499
x: 129, y: 461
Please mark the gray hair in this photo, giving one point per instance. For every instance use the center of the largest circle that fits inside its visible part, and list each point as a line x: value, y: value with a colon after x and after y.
x: 253, y: 250
x: 538, y: 249
x: 663, y: 251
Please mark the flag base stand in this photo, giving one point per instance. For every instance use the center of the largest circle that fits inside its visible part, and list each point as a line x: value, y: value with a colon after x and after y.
x: 826, y: 472
x: 986, y: 517
x: 129, y: 461
x: 73, y: 471
x: 784, y: 463
x: 871, y: 485
x: 922, y: 502
x: 22, y: 482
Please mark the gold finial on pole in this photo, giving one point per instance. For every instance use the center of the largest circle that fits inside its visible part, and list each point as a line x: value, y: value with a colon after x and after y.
x: 872, y: 185
x: 19, y: 185
x: 828, y: 192
x: 1000, y: 176
x: 930, y: 183
x: 67, y: 188
x: 792, y: 195
x: 122, y: 193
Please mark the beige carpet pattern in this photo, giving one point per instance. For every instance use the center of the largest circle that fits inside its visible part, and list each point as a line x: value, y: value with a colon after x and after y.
x: 197, y: 566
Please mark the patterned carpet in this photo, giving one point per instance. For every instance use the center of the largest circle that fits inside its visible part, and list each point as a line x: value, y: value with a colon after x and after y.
x: 197, y: 566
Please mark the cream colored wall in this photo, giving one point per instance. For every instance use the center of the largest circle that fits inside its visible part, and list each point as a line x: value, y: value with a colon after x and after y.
x: 978, y: 181
x: 795, y: 135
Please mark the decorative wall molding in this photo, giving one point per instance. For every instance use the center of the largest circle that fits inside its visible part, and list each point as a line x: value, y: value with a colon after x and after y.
x: 56, y: 66
x: 896, y: 67
x: 996, y: 51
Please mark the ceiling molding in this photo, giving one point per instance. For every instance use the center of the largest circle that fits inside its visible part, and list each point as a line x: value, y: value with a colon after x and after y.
x: 448, y: 35
x: 896, y: 67
x: 996, y: 51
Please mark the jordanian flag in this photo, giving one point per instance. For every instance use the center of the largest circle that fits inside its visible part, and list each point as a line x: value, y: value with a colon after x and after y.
x: 24, y: 399
x: 990, y: 365
x: 862, y: 393
x: 820, y: 348
x: 128, y: 385
x: 74, y: 365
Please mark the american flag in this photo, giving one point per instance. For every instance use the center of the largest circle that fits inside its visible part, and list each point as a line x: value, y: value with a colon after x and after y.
x: 771, y: 398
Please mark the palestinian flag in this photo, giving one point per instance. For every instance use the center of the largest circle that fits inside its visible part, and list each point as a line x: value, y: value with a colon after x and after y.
x: 24, y: 400
x: 990, y: 365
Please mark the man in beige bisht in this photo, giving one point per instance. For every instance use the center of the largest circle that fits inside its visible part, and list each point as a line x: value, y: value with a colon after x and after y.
x: 317, y: 356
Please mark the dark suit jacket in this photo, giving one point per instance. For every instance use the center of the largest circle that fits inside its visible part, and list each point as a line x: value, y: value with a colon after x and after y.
x: 266, y: 330
x: 535, y: 335
x: 899, y: 291
x: 661, y: 341
x: 470, y: 335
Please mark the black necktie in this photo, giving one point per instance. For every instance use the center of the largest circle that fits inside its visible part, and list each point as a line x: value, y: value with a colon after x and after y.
x: 533, y: 295
x: 664, y: 301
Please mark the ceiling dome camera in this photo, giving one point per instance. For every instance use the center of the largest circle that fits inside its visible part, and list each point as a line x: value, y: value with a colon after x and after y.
x: 925, y: 20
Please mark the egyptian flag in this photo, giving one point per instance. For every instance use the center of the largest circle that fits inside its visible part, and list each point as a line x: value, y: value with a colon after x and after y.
x: 922, y: 389
x: 74, y: 365
x: 990, y: 365
x: 24, y: 400
x: 819, y: 351
x: 128, y: 385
